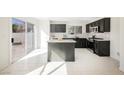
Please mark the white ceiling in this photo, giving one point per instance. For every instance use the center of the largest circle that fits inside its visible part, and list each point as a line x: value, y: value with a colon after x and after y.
x: 69, y: 18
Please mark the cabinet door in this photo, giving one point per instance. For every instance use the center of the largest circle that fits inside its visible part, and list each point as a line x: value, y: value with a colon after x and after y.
x: 102, y: 48
x: 87, y: 28
x: 57, y: 28
x: 80, y: 43
x: 91, y: 24
x: 97, y: 23
x: 60, y: 28
x: 107, y: 25
x: 104, y: 25
x: 96, y: 47
x: 76, y: 44
x: 101, y: 25
x: 83, y: 42
x: 52, y: 28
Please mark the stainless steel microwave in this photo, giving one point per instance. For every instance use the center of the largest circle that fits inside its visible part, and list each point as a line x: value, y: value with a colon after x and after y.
x: 95, y: 29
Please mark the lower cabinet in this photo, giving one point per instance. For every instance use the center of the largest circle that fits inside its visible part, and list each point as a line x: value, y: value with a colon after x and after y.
x: 102, y: 48
x: 80, y: 42
x: 99, y: 47
x: 90, y: 45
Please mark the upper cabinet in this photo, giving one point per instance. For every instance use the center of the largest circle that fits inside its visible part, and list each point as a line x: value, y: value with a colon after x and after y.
x: 57, y: 28
x: 88, y: 28
x: 107, y: 24
x: 103, y: 25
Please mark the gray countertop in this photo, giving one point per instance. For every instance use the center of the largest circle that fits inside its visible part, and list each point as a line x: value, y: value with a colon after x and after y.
x: 98, y: 39
x: 61, y: 41
x: 101, y: 40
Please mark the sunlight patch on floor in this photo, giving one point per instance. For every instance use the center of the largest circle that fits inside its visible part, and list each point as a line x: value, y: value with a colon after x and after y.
x: 50, y: 68
x: 33, y: 53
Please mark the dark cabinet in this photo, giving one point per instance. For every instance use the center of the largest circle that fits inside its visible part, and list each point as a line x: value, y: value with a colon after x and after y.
x: 80, y: 42
x: 107, y: 24
x: 90, y: 44
x: 87, y: 28
x: 57, y: 28
x: 96, y: 23
x: 102, y: 48
x: 103, y: 25
x: 52, y: 28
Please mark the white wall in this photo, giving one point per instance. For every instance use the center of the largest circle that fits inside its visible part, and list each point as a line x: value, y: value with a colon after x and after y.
x: 44, y: 31
x: 122, y: 44
x: 5, y: 30
x: 115, y: 38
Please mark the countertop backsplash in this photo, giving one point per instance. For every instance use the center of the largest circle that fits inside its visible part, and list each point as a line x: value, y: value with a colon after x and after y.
x: 105, y: 35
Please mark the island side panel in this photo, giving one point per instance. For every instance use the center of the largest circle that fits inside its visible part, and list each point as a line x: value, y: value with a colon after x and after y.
x: 65, y: 50
x: 49, y: 53
x: 70, y: 52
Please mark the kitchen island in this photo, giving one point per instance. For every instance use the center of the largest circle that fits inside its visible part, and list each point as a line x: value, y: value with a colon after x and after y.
x: 64, y: 48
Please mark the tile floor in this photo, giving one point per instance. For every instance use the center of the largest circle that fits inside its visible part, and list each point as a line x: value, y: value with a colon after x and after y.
x: 86, y: 63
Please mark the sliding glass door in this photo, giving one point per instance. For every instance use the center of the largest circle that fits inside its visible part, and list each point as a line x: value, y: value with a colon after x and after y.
x: 30, y: 37
x: 18, y: 39
x: 23, y: 40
